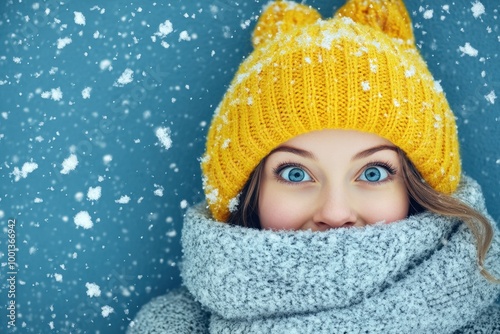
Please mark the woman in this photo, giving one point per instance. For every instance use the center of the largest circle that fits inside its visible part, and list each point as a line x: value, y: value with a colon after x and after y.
x: 334, y: 192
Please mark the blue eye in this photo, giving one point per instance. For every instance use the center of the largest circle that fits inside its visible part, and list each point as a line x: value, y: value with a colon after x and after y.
x: 294, y: 174
x: 374, y: 174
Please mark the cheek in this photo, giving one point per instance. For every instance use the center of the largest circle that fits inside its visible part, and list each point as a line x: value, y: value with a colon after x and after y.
x: 277, y: 211
x: 388, y: 207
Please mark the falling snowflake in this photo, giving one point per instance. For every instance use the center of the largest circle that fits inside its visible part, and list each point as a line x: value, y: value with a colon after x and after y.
x: 123, y: 199
x: 126, y: 78
x: 164, y: 29
x: 491, y: 97
x: 467, y: 49
x: 106, y: 311
x: 428, y: 14
x: 477, y: 9
x: 94, y: 194
x: 86, y: 92
x: 69, y: 164
x: 93, y: 290
x: 54, y: 94
x: 28, y: 167
x: 62, y: 42
x: 163, y: 135
x: 82, y: 219
x: 79, y: 18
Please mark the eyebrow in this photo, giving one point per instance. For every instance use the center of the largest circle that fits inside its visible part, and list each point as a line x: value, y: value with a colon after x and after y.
x: 294, y: 150
x: 373, y: 150
x: 310, y: 155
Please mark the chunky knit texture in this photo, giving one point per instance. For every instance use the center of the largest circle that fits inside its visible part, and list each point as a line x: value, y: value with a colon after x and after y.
x: 418, y: 275
x: 175, y: 313
x: 359, y: 70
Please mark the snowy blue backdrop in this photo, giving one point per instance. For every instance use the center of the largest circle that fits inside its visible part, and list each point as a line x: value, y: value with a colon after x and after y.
x: 104, y: 108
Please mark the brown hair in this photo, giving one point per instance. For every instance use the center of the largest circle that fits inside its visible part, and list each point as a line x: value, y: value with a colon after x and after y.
x: 422, y: 197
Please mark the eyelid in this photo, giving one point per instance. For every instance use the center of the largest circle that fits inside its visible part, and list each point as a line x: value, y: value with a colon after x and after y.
x: 284, y: 165
x: 389, y: 167
x: 278, y: 169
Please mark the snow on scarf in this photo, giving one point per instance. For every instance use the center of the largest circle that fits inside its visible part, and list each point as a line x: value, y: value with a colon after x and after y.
x: 416, y: 275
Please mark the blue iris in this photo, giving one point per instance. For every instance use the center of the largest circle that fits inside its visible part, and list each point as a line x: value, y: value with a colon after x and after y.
x: 294, y: 174
x: 374, y: 174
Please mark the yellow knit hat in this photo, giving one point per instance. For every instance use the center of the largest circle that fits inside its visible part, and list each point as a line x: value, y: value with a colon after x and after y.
x: 359, y: 70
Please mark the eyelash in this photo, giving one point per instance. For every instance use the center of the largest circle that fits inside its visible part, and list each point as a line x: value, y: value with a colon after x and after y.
x: 387, y: 165
x: 391, y: 169
x: 283, y: 165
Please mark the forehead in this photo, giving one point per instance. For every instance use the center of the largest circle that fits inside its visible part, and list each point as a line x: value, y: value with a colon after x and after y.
x: 332, y: 139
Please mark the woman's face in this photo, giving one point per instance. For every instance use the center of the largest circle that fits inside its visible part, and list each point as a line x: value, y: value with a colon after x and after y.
x: 332, y: 178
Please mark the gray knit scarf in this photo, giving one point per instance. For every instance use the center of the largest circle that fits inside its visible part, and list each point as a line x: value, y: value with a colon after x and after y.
x: 416, y: 275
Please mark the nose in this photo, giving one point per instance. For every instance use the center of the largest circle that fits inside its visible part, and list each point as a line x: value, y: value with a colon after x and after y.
x: 334, y: 210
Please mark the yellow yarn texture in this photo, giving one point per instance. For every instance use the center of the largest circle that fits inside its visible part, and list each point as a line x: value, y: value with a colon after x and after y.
x: 359, y: 70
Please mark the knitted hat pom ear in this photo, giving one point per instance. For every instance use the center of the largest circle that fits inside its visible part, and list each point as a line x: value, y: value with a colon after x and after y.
x: 281, y: 17
x: 388, y: 16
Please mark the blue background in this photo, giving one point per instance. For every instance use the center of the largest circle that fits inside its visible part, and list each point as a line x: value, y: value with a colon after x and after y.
x: 132, y: 251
